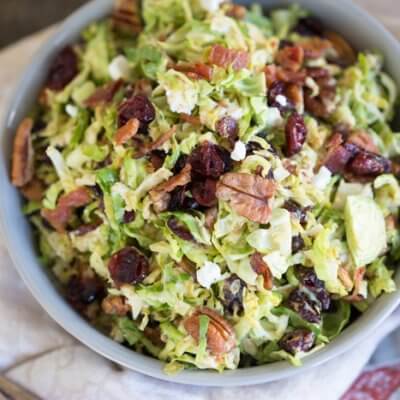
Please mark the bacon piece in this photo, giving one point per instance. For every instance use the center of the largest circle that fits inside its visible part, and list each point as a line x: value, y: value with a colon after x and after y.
x: 160, y: 195
x: 260, y: 267
x: 23, y: 155
x: 195, y: 71
x: 104, y: 95
x: 59, y: 217
x: 224, y: 57
x: 291, y: 58
x: 128, y: 131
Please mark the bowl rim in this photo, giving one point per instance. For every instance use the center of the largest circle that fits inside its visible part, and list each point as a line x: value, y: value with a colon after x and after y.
x: 61, y: 312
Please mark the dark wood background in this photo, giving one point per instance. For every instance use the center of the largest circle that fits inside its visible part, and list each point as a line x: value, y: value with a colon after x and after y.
x: 19, y: 18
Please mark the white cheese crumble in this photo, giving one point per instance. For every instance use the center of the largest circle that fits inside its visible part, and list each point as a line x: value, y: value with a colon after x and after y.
x: 322, y: 178
x: 273, y: 117
x: 71, y: 110
x: 281, y: 173
x: 210, y: 5
x: 119, y: 68
x: 276, y: 263
x: 239, y: 151
x: 282, y: 100
x: 208, y: 274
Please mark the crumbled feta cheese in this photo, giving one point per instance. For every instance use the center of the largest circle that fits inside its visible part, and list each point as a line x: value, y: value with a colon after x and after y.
x: 239, y: 151
x: 208, y: 274
x: 282, y: 100
x: 71, y: 110
x: 273, y: 117
x: 234, y: 111
x: 277, y: 264
x: 210, y: 5
x: 119, y: 68
x: 281, y: 173
x: 322, y: 179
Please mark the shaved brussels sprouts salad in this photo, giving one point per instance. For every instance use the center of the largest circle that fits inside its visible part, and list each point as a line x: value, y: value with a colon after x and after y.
x: 212, y: 185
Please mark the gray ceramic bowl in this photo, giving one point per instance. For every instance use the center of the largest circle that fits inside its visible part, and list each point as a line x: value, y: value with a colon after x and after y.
x: 341, y: 15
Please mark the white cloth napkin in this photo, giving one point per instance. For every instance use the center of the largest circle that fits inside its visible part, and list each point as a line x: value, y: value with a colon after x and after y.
x: 40, y: 356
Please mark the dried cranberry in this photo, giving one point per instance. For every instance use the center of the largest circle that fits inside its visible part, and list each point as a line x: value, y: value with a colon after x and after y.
x: 367, y: 164
x: 307, y: 308
x: 81, y: 292
x: 278, y: 88
x: 129, y: 216
x: 299, y: 340
x: 63, y: 70
x: 138, y: 107
x: 297, y: 244
x: 204, y: 192
x: 209, y: 160
x: 86, y: 228
x: 233, y: 295
x: 128, y: 266
x: 179, y: 229
x: 180, y: 164
x: 309, y: 26
x: 296, y: 133
x: 228, y: 128
x: 180, y: 202
x: 310, y: 281
x: 338, y: 157
x: 296, y: 210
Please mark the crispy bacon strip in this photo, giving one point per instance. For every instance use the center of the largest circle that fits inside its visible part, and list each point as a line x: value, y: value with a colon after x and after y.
x: 291, y: 58
x: 59, y: 217
x: 128, y: 131
x: 22, y: 169
x: 224, y: 57
x: 195, y: 71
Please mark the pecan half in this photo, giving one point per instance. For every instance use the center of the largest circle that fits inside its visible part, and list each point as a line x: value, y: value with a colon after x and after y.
x: 291, y: 58
x: 345, y: 54
x: 220, y: 335
x: 115, y: 305
x: 104, y: 94
x: 260, y: 267
x: 126, y: 16
x: 148, y: 148
x: 34, y: 190
x: 160, y: 195
x: 315, y: 47
x: 59, y: 217
x: 128, y: 131
x: 23, y: 155
x: 364, y: 141
x: 248, y: 195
